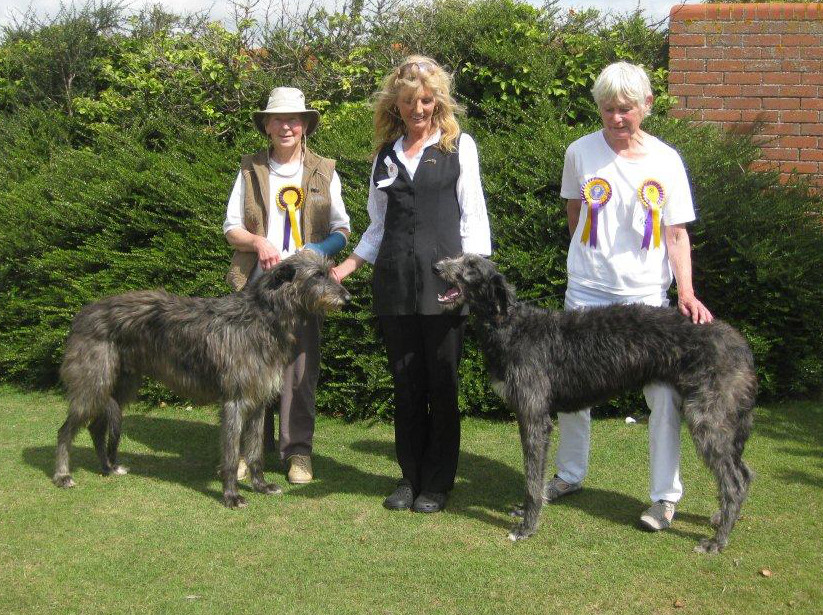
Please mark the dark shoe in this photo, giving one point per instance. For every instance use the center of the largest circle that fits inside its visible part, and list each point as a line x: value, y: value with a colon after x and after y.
x: 402, y: 498
x: 429, y: 502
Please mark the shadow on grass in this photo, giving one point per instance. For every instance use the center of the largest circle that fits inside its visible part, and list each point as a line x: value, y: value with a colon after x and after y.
x: 186, y: 452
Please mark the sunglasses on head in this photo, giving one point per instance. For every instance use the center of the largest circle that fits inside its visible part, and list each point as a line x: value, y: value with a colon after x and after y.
x: 415, y: 68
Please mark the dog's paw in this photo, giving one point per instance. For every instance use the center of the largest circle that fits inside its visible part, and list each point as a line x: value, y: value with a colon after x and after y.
x: 268, y: 488
x: 520, y: 532
x: 64, y: 481
x: 118, y: 471
x: 234, y: 501
x: 708, y: 545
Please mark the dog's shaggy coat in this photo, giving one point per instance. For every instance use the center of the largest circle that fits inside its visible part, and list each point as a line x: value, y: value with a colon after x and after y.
x: 541, y: 361
x: 230, y: 349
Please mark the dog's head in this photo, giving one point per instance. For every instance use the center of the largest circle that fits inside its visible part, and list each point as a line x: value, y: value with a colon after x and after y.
x: 303, y: 282
x: 476, y: 282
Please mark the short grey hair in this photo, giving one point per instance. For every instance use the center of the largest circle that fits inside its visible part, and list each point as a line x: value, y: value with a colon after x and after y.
x: 624, y: 82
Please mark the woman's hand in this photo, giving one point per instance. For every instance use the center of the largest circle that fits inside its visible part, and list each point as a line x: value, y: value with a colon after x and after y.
x: 346, y: 268
x: 692, y: 307
x: 267, y: 254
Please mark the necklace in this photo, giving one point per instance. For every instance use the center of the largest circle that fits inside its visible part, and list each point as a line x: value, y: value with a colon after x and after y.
x: 279, y: 173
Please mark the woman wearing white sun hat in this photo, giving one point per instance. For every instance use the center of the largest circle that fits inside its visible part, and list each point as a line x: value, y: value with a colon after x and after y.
x: 287, y: 198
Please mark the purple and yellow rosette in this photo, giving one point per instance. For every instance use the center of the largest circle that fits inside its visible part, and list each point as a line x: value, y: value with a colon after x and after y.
x: 290, y: 199
x: 595, y: 193
x: 652, y: 196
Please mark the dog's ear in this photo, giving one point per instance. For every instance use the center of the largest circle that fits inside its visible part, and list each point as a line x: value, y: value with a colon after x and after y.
x: 502, y: 295
x: 284, y: 272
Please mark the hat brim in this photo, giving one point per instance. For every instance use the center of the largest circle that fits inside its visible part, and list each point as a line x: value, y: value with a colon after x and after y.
x: 311, y: 117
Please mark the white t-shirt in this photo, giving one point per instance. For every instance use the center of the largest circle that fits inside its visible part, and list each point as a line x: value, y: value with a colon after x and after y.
x: 475, y: 234
x: 280, y: 176
x: 619, y: 264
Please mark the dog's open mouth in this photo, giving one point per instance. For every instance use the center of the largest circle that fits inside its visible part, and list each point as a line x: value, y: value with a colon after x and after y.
x: 449, y: 297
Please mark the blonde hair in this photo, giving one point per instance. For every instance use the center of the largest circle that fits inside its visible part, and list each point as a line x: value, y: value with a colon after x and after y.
x: 416, y: 73
x: 623, y: 82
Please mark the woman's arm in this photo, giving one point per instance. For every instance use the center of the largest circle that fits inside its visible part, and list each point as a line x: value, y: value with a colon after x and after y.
x: 679, y: 249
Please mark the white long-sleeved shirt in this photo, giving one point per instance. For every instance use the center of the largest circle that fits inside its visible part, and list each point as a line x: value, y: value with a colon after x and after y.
x: 475, y: 234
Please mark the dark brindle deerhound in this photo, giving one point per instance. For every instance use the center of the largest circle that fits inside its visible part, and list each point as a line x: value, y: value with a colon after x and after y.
x: 541, y: 361
x: 230, y: 349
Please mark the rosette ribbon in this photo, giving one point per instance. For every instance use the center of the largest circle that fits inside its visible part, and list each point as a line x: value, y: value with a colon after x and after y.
x: 596, y: 193
x: 290, y: 199
x: 652, y: 196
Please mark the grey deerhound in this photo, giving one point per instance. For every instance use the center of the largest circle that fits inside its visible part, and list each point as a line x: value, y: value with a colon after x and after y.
x: 541, y: 361
x: 230, y: 349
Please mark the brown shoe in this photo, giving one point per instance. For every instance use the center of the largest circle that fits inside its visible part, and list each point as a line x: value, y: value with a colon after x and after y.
x: 300, y: 471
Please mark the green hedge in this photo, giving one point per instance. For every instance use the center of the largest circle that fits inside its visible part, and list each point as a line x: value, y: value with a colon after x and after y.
x: 128, y: 191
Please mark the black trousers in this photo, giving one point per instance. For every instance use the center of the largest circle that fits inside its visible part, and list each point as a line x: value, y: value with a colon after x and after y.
x: 424, y: 353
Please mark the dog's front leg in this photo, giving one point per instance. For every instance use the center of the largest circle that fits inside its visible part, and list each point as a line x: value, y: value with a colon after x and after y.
x: 253, y: 451
x: 231, y: 428
x: 534, y: 438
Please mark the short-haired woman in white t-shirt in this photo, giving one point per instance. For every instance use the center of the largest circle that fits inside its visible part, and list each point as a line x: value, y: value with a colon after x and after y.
x: 628, y: 201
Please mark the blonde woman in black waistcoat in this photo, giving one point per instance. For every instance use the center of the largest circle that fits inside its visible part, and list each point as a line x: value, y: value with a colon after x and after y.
x: 425, y: 203
x: 287, y: 198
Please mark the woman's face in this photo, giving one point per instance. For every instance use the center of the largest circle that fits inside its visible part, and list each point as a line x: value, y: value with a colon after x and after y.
x: 621, y: 119
x: 285, y: 131
x: 416, y: 110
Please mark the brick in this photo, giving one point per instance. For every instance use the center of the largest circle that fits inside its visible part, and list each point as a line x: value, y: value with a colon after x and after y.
x: 810, y: 129
x: 800, y: 40
x: 727, y: 40
x: 757, y: 115
x: 727, y: 65
x: 722, y: 90
x: 686, y: 89
x: 811, y: 78
x: 722, y: 115
x: 744, y: 27
x: 677, y: 77
x: 702, y: 102
x: 704, y: 77
x: 789, y: 78
x: 761, y: 166
x: 762, y: 64
x: 779, y: 153
x: 758, y: 90
x: 811, y: 154
x: 799, y: 167
x: 814, y: 53
x: 687, y: 65
x: 798, y: 142
x: 744, y: 53
x: 685, y: 114
x: 743, y: 78
x: 812, y: 103
x: 705, y: 52
x: 779, y: 128
x: 763, y: 40
x: 781, y: 103
x: 687, y: 40
x: 799, y: 90
x: 802, y: 115
x: 677, y: 52
x: 741, y: 103
x: 802, y: 66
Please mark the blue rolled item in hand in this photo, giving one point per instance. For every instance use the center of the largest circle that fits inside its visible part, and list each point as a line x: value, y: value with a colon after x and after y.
x: 331, y: 245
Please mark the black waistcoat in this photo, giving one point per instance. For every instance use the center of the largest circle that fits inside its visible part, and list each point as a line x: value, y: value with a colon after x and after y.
x: 422, y: 226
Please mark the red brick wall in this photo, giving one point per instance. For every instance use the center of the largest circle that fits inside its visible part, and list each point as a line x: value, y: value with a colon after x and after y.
x: 738, y: 64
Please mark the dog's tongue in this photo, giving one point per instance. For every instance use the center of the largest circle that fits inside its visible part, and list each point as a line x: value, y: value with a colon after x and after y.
x: 449, y: 296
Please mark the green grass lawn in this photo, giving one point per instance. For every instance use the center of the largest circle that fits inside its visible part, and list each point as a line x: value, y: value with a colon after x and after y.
x: 159, y: 541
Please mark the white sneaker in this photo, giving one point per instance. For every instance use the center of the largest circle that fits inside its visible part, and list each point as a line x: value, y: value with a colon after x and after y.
x: 658, y: 516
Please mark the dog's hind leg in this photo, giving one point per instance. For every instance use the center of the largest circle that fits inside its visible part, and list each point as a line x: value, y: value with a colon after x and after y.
x: 231, y: 429
x: 252, y: 447
x: 65, y: 436
x: 535, y: 428
x: 720, y: 443
x: 125, y: 391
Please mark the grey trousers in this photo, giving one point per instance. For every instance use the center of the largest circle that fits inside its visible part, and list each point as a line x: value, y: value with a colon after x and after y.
x: 296, y: 402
